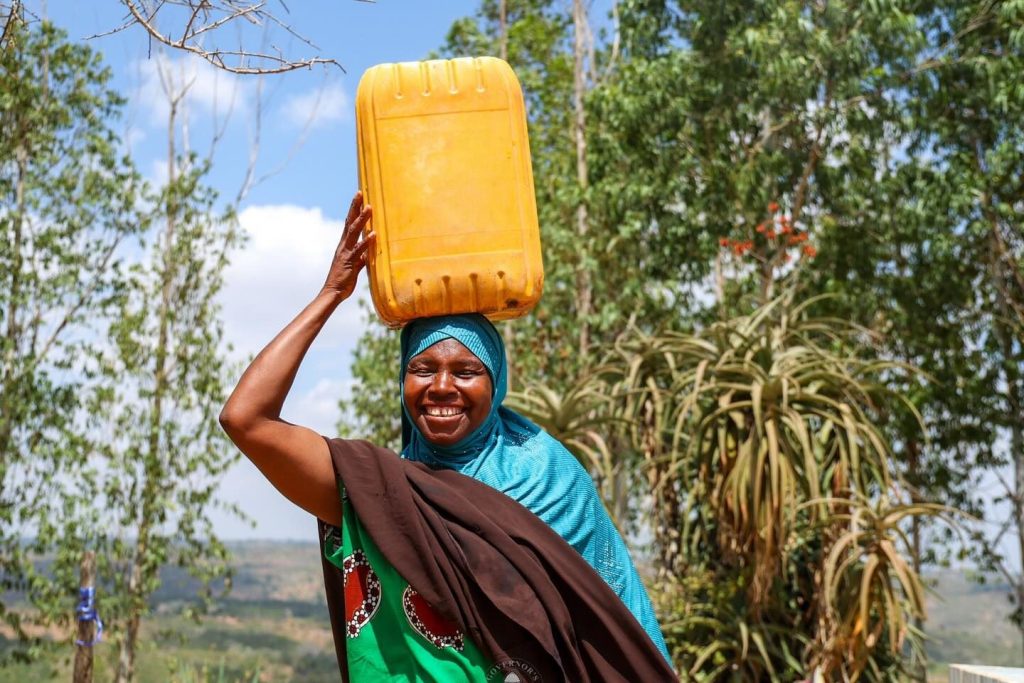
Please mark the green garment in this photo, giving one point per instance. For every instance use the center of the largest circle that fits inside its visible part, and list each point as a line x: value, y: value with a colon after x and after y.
x: 392, y: 633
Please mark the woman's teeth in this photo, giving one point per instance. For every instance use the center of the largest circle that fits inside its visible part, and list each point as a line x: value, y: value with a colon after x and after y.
x: 437, y: 411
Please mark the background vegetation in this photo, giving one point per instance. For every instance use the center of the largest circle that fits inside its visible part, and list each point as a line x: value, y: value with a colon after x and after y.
x: 783, y: 326
x: 822, y: 355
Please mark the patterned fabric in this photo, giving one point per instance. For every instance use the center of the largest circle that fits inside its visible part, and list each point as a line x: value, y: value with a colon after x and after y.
x: 392, y: 633
x: 511, y: 454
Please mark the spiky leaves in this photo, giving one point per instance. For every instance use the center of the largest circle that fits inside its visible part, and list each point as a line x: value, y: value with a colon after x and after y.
x: 776, y: 508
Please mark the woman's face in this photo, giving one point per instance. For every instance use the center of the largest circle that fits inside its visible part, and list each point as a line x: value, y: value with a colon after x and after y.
x: 447, y: 392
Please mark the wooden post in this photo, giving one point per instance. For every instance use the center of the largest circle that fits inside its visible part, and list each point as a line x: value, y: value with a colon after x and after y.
x: 86, y: 628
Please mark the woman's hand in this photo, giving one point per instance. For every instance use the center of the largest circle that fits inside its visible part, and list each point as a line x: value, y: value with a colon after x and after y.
x: 351, y: 254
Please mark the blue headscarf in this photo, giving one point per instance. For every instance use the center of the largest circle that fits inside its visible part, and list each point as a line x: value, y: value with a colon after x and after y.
x: 478, y: 335
x: 511, y: 454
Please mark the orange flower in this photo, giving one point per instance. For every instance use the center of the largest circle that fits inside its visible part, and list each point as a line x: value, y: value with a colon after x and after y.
x: 773, y: 207
x: 760, y: 227
x: 740, y: 248
x: 770, y: 234
x: 810, y: 251
x: 724, y: 242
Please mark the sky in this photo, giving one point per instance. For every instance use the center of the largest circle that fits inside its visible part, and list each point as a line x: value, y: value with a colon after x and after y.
x: 306, y: 171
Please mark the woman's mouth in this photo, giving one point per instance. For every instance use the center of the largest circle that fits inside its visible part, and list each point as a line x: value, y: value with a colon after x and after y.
x: 442, y: 411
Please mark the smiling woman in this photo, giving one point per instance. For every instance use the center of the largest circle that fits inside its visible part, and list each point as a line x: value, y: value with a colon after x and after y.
x: 483, y: 552
x: 447, y: 392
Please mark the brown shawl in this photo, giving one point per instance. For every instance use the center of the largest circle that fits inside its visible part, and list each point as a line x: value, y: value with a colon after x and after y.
x: 493, y: 568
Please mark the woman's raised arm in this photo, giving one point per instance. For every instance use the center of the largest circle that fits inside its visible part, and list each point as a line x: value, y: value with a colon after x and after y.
x: 294, y: 458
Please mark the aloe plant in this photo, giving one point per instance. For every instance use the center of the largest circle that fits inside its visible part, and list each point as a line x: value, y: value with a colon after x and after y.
x: 776, y: 508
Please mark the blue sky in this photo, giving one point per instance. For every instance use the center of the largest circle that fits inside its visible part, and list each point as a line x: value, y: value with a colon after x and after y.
x: 292, y: 217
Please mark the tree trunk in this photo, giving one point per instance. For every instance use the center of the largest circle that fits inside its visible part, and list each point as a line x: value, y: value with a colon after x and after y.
x: 86, y: 628
x: 8, y: 381
x: 584, y: 292
x: 1005, y: 276
x: 507, y: 331
x: 126, y: 653
x: 151, y: 487
x: 1015, y: 404
x: 1017, y: 446
x: 503, y: 30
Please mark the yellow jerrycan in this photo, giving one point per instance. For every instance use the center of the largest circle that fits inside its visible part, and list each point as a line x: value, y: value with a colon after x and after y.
x: 444, y: 161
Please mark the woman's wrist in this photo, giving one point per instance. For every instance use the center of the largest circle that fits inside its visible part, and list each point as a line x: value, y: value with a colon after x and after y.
x: 331, y: 296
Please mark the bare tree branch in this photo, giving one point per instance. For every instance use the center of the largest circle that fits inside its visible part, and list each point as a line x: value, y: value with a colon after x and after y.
x: 13, y: 12
x: 616, y: 41
x: 201, y: 20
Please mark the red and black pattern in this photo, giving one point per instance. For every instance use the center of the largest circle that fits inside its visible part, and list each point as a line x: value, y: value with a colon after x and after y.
x: 362, y: 592
x: 428, y: 623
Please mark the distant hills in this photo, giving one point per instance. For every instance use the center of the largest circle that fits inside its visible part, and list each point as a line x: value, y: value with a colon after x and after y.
x: 273, y: 625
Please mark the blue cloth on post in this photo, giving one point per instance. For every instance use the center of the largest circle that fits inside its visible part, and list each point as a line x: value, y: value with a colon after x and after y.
x: 511, y: 454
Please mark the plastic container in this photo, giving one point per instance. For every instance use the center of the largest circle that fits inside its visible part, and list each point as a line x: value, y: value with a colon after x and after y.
x: 444, y: 161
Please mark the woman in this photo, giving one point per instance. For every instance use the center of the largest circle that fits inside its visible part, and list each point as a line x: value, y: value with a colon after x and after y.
x: 432, y: 574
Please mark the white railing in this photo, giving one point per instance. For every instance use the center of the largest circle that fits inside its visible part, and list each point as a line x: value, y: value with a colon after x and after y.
x: 969, y: 673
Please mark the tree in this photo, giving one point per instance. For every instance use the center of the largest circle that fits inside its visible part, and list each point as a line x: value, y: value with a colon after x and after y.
x: 969, y: 105
x: 881, y: 131
x: 938, y: 273
x: 70, y: 207
x: 165, y: 381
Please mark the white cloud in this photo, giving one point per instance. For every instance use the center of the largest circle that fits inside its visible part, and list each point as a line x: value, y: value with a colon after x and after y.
x: 209, y: 90
x: 320, y: 107
x: 318, y: 407
x: 273, y: 515
x: 133, y: 136
x: 278, y: 272
x: 158, y: 174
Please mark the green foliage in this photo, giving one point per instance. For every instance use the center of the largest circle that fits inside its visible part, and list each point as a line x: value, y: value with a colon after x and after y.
x: 111, y: 356
x: 69, y: 208
x: 884, y: 134
x: 165, y: 380
x: 775, y: 503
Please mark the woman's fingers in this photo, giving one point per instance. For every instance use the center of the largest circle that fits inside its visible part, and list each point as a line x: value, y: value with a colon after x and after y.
x: 354, y: 207
x: 350, y: 256
x: 355, y: 227
x: 363, y: 248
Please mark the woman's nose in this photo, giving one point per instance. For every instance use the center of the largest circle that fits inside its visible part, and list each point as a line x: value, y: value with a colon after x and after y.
x: 442, y: 384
